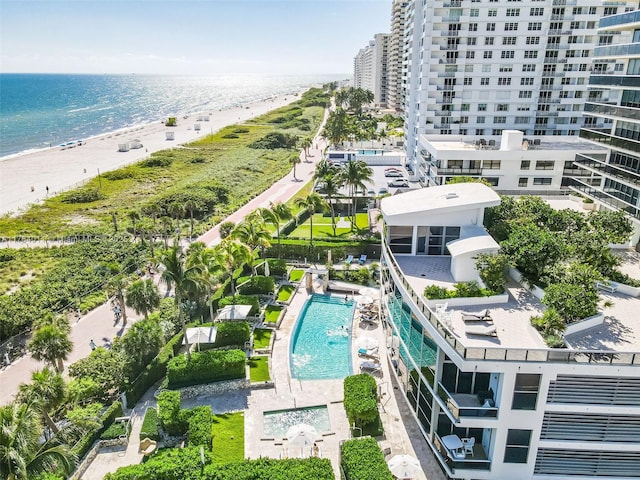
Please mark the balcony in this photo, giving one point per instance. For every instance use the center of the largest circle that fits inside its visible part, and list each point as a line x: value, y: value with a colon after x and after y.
x: 612, y: 111
x: 459, y: 171
x: 607, y: 138
x: 615, y: 80
x: 476, y: 461
x: 604, y: 197
x: 608, y: 170
x: 466, y: 404
x: 627, y: 50
x: 622, y: 19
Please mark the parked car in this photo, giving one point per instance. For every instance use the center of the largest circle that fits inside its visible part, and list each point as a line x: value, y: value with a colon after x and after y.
x: 388, y: 169
x: 371, y: 193
x: 383, y: 191
x: 393, y: 173
x: 401, y: 183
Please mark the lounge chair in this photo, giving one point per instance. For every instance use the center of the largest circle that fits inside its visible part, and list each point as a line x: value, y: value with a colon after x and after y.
x: 481, y: 315
x: 148, y: 446
x: 370, y: 366
x: 369, y: 320
x: 363, y: 258
x: 349, y: 260
x: 371, y: 353
x: 488, y: 330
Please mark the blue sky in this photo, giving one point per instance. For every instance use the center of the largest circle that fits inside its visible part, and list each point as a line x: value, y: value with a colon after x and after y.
x: 204, y: 37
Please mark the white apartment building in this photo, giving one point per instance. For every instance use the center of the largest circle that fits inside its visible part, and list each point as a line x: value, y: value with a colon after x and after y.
x: 395, y: 88
x: 493, y: 401
x: 475, y: 68
x: 513, y: 165
x: 370, y: 68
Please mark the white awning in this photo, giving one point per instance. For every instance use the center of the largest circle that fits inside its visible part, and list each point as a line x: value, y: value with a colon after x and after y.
x: 234, y: 312
x: 200, y: 335
x: 478, y: 243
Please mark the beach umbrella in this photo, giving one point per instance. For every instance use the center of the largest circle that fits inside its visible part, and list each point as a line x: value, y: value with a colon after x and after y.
x: 363, y: 299
x: 367, y: 342
x: 404, y: 466
x: 302, y: 435
x: 267, y: 271
x: 369, y: 292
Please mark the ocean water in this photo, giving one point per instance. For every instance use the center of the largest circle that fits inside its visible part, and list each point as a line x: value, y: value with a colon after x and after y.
x: 42, y: 110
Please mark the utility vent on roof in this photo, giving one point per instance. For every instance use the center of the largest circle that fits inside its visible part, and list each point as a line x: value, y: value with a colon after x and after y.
x: 451, y: 195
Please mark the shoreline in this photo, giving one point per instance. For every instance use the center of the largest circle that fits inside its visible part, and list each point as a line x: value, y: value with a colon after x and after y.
x: 29, y: 177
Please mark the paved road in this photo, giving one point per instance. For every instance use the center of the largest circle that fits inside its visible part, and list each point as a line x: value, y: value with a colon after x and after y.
x: 99, y: 325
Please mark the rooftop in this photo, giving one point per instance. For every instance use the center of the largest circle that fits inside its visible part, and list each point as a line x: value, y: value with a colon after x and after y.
x: 441, y: 142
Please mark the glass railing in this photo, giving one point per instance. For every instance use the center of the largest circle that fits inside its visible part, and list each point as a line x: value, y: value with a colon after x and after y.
x: 625, y: 50
x: 459, y: 171
x: 610, y: 140
x: 469, y: 463
x: 615, y: 80
x: 613, y: 110
x: 620, y: 19
x: 458, y: 411
x: 496, y: 353
x: 610, y: 200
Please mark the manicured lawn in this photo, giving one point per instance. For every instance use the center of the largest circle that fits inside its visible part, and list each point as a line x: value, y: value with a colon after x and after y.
x: 262, y: 337
x: 374, y: 429
x: 322, y: 227
x: 296, y: 275
x: 259, y: 369
x: 228, y: 437
x: 272, y: 313
x: 285, y: 292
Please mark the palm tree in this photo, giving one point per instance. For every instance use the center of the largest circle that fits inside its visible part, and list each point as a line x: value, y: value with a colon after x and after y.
x: 354, y: 174
x: 210, y: 269
x: 177, y: 211
x: 143, y: 297
x: 134, y: 216
x: 191, y: 206
x: 274, y: 215
x: 323, y: 168
x: 51, y: 343
x: 116, y: 287
x: 312, y: 203
x: 294, y: 160
x: 232, y: 256
x: 181, y: 274
x: 305, y: 143
x: 47, y: 389
x: 330, y: 187
x: 22, y: 456
x: 114, y: 219
x: 253, y: 232
x: 337, y: 127
x: 166, y: 228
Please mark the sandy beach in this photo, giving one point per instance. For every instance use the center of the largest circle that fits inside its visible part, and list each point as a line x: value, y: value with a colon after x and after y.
x: 24, y: 179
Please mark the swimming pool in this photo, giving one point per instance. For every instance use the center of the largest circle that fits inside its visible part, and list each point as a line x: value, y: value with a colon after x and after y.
x: 277, y: 422
x: 321, y: 341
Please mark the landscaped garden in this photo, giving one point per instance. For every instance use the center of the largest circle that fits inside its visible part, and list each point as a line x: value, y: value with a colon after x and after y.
x: 285, y: 292
x: 272, y: 313
x: 262, y: 338
x: 259, y: 368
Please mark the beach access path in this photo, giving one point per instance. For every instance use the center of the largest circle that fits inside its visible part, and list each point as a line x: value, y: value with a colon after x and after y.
x: 61, y: 169
x: 98, y: 324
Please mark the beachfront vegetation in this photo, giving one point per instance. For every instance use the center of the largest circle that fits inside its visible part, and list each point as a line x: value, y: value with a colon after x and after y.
x: 462, y: 289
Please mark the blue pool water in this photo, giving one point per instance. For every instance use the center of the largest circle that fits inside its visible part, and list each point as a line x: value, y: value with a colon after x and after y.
x: 277, y: 422
x: 320, y: 346
x: 370, y: 152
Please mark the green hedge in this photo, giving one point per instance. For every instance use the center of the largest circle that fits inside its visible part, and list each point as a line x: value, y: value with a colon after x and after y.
x: 360, y: 399
x: 277, y: 267
x: 362, y: 459
x: 116, y: 430
x: 206, y: 367
x: 242, y: 300
x: 184, y: 463
x: 150, y: 425
x: 169, y: 412
x: 232, y: 333
x: 106, y: 419
x: 299, y: 249
x: 200, y: 424
x: 258, y: 285
x: 154, y: 371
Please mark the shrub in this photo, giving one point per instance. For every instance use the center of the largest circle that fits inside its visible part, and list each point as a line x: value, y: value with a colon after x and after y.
x: 272, y: 313
x: 106, y: 419
x: 296, y: 275
x: 84, y: 195
x: 119, y: 174
x: 572, y: 302
x: 258, y: 285
x: 206, y: 367
x: 362, y: 459
x: 275, y: 140
x: 200, y: 423
x: 242, y: 300
x: 277, y: 267
x: 116, y: 430
x: 360, y: 399
x: 150, y: 425
x: 240, y: 130
x: 169, y: 412
x: 232, y: 333
x: 230, y: 135
x: 468, y: 289
x: 156, y: 161
x: 435, y: 292
x: 285, y: 292
x: 491, y: 268
x: 198, y: 160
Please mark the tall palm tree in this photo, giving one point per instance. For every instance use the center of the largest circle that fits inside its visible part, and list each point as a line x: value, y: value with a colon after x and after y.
x: 330, y: 187
x: 305, y: 143
x: 116, y: 287
x: 177, y: 211
x: 312, y: 203
x: 190, y: 206
x: 143, y: 297
x: 182, y: 274
x: 22, y: 456
x: 337, y: 127
x: 294, y: 160
x: 276, y: 213
x: 253, y: 232
x: 166, y: 224
x: 232, y: 256
x: 354, y: 175
x: 210, y: 270
x: 47, y: 389
x: 51, y: 343
x: 134, y: 217
x: 323, y: 168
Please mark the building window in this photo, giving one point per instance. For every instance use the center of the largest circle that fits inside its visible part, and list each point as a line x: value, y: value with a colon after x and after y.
x: 513, y: 12
x: 502, y: 107
x: 484, y: 81
x: 480, y: 119
x: 506, y: 68
x: 493, y: 181
x: 526, y: 81
x: 465, y: 107
x: 504, y: 81
x: 536, y: 12
x: 538, y: 181
x: 507, y: 54
x: 491, y: 164
x: 533, y: 40
x: 534, y: 26
x: 488, y: 40
x: 517, y: 448
x: 525, y: 94
x: 499, y: 119
x: 521, y: 120
x: 525, y: 393
x: 511, y: 26
x: 488, y: 54
x: 482, y: 107
x: 471, y: 41
x: 493, y: 12
x: 545, y: 164
x: 400, y: 239
x: 474, y: 12
x: 523, y: 181
x: 473, y: 27
x: 468, y: 81
x: 530, y: 54
x: 528, y: 67
x: 491, y: 27
x: 509, y: 40
x: 525, y: 164
x: 471, y: 54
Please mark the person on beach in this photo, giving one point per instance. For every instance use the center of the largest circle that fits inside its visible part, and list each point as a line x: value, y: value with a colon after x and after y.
x: 47, y: 189
x: 92, y: 345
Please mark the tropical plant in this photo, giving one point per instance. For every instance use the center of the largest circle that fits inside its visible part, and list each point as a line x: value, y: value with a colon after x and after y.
x: 141, y: 344
x: 51, y: 343
x: 492, y: 270
x: 226, y: 228
x: 134, y: 217
x: 181, y: 274
x: 253, y: 232
x: 22, y: 456
x: 106, y: 367
x: 550, y: 323
x: 312, y: 203
x: 354, y: 175
x: 294, y: 160
x: 116, y: 287
x: 330, y: 186
x: 177, y: 211
x: 305, y: 143
x: 232, y: 256
x: 337, y: 127
x: 572, y: 301
x: 278, y: 212
x: 142, y: 296
x: 47, y: 391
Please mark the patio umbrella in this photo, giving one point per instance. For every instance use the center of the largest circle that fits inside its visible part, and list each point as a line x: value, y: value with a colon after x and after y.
x: 404, y: 466
x: 369, y: 292
x: 267, y: 272
x: 367, y: 342
x: 302, y: 435
x: 363, y: 299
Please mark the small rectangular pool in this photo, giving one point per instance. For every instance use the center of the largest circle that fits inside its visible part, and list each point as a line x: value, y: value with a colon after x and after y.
x: 321, y: 341
x: 277, y: 422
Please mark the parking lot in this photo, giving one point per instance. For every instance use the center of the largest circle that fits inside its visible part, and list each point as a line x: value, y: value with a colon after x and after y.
x: 381, y: 182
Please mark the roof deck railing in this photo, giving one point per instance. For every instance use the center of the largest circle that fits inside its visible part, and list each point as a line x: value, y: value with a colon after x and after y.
x: 556, y: 355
